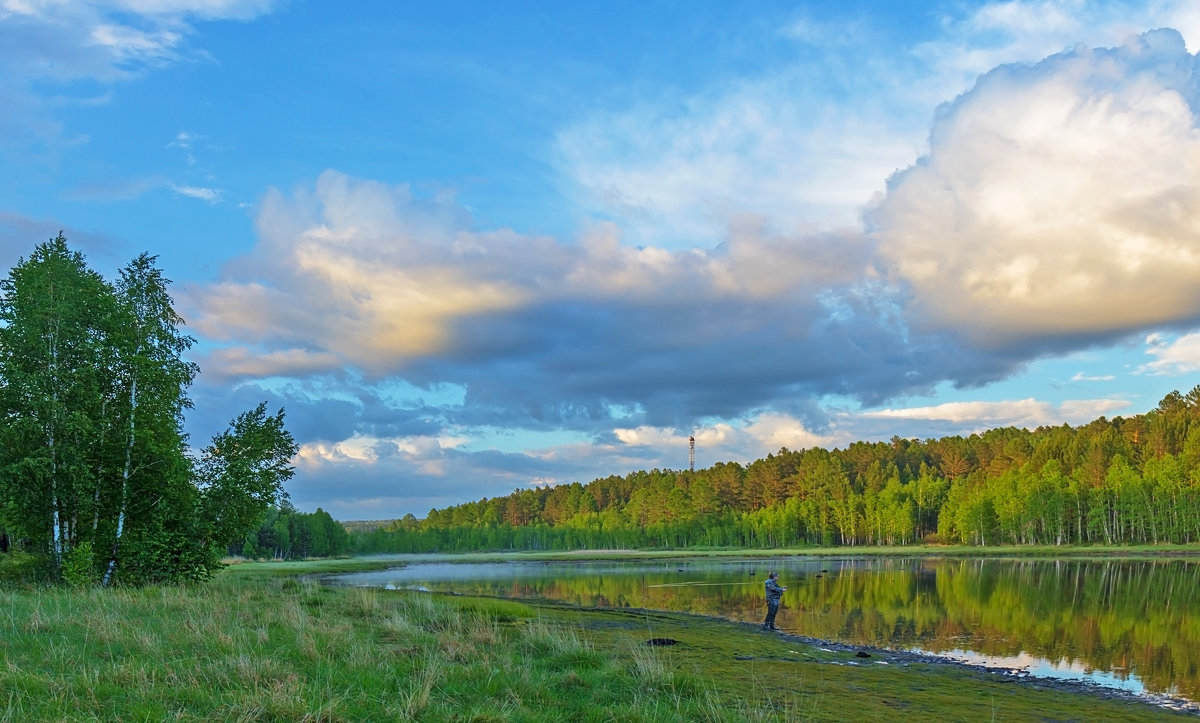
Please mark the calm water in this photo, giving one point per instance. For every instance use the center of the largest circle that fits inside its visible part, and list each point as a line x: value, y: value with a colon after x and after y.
x: 1125, y: 624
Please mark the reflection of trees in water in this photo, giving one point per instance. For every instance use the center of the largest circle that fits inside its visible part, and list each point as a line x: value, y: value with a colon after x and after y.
x: 1122, y: 617
x: 1117, y: 617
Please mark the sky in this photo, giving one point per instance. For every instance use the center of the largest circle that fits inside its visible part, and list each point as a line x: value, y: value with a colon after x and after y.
x: 476, y: 247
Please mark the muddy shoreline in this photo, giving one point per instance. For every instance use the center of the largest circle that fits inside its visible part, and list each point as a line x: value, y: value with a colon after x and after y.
x: 868, y: 655
x: 865, y: 655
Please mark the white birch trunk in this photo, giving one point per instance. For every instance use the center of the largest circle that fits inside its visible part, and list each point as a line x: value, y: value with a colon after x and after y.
x: 56, y: 539
x: 112, y: 560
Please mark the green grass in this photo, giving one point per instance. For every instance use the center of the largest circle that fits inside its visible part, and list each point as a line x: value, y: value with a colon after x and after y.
x: 257, y: 648
x: 261, y: 644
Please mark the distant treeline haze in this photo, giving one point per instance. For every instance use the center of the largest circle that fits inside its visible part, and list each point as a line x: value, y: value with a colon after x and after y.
x: 1114, y: 481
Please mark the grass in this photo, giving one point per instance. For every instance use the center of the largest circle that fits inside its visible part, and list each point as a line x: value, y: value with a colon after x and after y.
x: 261, y: 644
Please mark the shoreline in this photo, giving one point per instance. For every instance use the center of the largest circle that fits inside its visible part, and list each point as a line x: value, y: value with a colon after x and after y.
x: 1020, y: 677
x: 1106, y: 688
x: 887, y: 656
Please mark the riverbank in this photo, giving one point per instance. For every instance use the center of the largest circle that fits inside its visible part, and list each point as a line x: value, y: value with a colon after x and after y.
x: 968, y: 551
x: 260, y: 643
x: 808, y: 679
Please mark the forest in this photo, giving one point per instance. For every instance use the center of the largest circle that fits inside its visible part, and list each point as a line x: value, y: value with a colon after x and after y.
x: 98, y: 482
x: 1125, y: 480
x: 285, y: 533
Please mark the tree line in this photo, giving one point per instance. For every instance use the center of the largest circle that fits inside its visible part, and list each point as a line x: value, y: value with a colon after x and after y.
x: 1124, y: 480
x: 285, y: 533
x: 98, y: 482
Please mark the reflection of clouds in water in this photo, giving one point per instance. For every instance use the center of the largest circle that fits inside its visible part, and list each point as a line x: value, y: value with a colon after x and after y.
x: 1041, y: 668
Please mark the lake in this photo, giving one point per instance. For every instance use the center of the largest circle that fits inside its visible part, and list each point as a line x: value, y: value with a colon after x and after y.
x: 1128, y: 624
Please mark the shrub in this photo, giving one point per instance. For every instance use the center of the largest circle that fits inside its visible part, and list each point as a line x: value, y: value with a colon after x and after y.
x: 79, y: 566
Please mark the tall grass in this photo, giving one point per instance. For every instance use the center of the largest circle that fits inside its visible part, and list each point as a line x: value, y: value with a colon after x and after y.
x: 254, y: 645
x: 244, y: 649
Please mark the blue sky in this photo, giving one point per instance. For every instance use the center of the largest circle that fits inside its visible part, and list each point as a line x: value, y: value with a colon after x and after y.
x: 472, y: 247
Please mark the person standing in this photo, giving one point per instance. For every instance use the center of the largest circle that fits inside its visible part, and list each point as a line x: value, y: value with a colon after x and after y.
x: 774, y: 593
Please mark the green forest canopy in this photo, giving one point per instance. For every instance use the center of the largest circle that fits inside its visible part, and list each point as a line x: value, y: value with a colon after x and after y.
x: 1114, y: 481
x: 97, y: 481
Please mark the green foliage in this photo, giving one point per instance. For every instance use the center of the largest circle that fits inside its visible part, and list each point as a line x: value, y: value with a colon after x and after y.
x: 95, y: 475
x: 242, y: 473
x: 79, y: 566
x: 166, y: 546
x: 1118, y: 481
x: 55, y: 318
x: 287, y: 534
x: 22, y: 568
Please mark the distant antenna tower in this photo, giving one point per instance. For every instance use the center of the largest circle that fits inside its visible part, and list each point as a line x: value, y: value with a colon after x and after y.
x: 691, y: 454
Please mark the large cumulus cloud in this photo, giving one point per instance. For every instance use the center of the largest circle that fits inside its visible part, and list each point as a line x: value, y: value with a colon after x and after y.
x: 1058, y: 204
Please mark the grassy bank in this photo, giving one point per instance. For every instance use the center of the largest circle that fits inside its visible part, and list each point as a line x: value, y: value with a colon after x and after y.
x: 258, y: 644
x: 246, y: 649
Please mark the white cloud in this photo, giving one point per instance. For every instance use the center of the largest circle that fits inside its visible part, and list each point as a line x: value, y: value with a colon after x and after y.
x: 66, y: 41
x: 1172, y: 356
x: 770, y: 148
x: 184, y: 140
x: 131, y: 45
x: 210, y: 195
x: 104, y: 40
x: 754, y: 437
x: 807, y: 144
x: 1082, y: 411
x: 424, y: 455
x: 1030, y: 412
x: 772, y: 431
x: 649, y: 436
x: 1055, y: 199
x: 1081, y: 377
x: 1026, y: 31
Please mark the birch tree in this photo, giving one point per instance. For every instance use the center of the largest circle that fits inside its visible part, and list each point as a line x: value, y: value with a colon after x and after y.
x: 150, y: 399
x: 54, y: 317
x: 241, y: 474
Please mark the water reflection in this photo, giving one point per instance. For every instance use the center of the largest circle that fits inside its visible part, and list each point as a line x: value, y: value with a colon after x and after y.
x: 1133, y: 625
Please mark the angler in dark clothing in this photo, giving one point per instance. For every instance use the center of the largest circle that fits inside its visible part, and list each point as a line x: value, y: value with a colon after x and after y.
x: 774, y: 592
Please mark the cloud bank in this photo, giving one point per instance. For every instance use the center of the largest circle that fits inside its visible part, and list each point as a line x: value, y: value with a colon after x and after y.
x: 1053, y: 209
